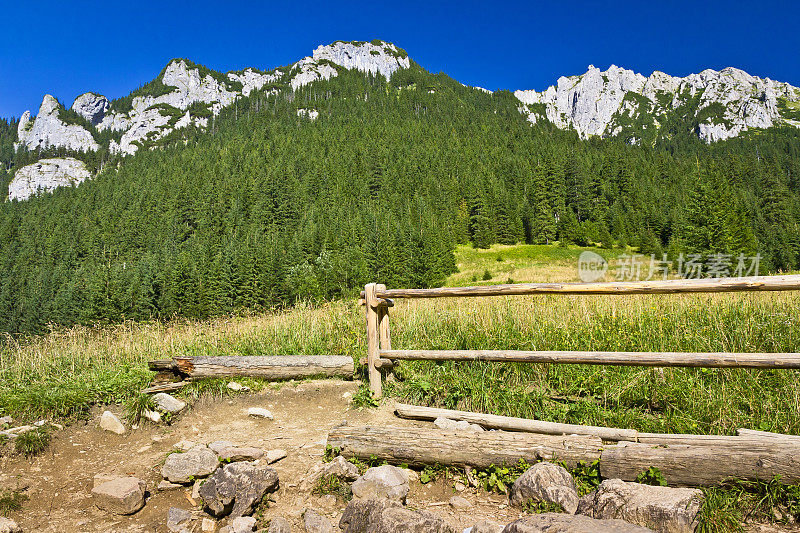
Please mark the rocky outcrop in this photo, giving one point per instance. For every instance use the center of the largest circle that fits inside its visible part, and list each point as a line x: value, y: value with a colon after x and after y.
x: 237, y: 488
x: 546, y: 483
x: 376, y: 57
x: 49, y: 130
x: 46, y: 175
x: 600, y: 103
x: 252, y: 79
x: 92, y: 107
x: 564, y: 523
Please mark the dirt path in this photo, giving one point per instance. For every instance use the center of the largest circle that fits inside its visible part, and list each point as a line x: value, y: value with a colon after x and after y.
x: 59, y: 482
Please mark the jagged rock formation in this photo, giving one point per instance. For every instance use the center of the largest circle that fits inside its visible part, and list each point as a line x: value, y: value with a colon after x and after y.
x: 92, y: 107
x: 602, y: 103
x: 49, y: 130
x: 46, y: 175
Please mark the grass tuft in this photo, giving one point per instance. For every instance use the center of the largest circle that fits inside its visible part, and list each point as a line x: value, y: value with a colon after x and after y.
x: 32, y: 442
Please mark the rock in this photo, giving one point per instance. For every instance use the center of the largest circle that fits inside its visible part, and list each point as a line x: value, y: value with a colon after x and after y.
x: 46, y: 175
x: 260, y: 412
x: 99, y: 479
x: 9, y: 526
x: 110, y: 422
x: 92, y: 107
x: 486, y: 526
x: 237, y: 488
x: 244, y: 453
x: 316, y: 523
x: 5, y: 421
x: 545, y: 482
x: 165, y: 485
x: 273, y: 456
x: 123, y: 495
x: 663, y: 509
x: 168, y: 404
x: 565, y: 523
x: 196, y: 489
x: 186, y: 467
x: 152, y: 416
x: 219, y: 445
x: 234, y: 386
x: 339, y: 467
x: 279, y: 525
x: 243, y: 524
x: 452, y: 425
x: 311, y: 114
x: 459, y: 503
x: 382, y: 482
x: 178, y: 520
x: 375, y: 57
x: 184, y: 445
x: 208, y: 526
x: 49, y: 130
x: 395, y: 519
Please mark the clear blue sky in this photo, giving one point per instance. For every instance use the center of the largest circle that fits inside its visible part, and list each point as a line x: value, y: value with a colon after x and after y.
x: 68, y: 47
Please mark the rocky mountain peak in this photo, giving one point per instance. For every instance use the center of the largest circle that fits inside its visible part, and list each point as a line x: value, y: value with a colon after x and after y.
x: 49, y: 130
x: 93, y: 107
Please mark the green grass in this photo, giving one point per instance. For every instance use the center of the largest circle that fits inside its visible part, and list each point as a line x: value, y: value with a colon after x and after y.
x: 32, y: 442
x: 11, y: 501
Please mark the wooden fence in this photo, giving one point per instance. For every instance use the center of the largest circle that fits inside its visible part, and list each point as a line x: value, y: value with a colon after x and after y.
x: 380, y: 355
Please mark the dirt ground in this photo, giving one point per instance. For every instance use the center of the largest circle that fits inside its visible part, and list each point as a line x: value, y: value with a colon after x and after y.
x: 59, y: 482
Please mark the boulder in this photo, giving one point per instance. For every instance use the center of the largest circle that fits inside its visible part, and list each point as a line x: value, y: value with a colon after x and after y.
x: 260, y: 412
x: 339, y: 467
x: 9, y: 526
x: 178, y: 520
x: 110, y: 422
x: 219, y: 445
x: 92, y: 107
x: 396, y: 519
x: 487, y: 526
x: 167, y: 403
x: 279, y: 525
x: 237, y: 488
x: 242, y: 524
x: 545, y: 482
x: 459, y: 502
x: 452, y: 425
x: 122, y: 496
x: 663, y: 509
x: 186, y: 467
x: 359, y: 514
x: 165, y: 485
x: 382, y: 482
x: 565, y: 523
x: 314, y: 522
x: 244, y: 453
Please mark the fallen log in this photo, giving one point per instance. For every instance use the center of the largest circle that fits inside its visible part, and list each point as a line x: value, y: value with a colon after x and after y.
x: 422, y: 446
x: 697, y: 466
x: 268, y: 367
x: 747, y: 438
x: 165, y: 387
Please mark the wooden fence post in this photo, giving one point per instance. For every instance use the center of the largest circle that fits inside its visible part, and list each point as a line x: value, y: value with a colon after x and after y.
x: 373, y: 340
x: 383, y: 324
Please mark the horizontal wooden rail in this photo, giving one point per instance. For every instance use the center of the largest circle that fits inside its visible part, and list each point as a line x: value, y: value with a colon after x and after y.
x: 672, y: 286
x: 688, y: 359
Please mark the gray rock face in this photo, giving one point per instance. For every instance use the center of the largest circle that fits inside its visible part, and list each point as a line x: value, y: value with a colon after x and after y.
x: 663, y: 509
x: 185, y: 467
x: 236, y: 488
x: 9, y: 526
x: 594, y: 103
x: 382, y: 482
x: 316, y: 523
x: 122, y: 496
x: 178, y: 520
x: 401, y: 519
x: 48, y: 130
x: 235, y: 454
x: 359, y: 514
x: 46, y: 175
x: 279, y: 525
x: 92, y: 107
x: 167, y: 403
x: 485, y: 526
x: 545, y: 482
x: 564, y: 523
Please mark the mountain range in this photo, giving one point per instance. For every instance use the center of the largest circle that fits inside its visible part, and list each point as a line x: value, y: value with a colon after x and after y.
x: 612, y: 103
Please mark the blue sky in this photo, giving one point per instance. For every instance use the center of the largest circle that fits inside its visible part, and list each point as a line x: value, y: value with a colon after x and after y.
x: 66, y: 48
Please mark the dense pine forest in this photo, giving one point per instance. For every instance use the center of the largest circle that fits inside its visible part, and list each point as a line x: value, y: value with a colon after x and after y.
x: 266, y: 207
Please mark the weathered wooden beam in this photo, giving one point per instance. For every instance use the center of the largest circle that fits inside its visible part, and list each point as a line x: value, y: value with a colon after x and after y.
x: 752, y: 433
x: 165, y: 387
x: 162, y: 365
x: 703, y: 465
x: 268, y: 367
x: 422, y: 446
x: 664, y: 359
x: 373, y: 342
x: 672, y: 286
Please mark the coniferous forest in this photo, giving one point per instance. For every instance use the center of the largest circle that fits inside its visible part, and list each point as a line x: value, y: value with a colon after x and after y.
x: 266, y: 207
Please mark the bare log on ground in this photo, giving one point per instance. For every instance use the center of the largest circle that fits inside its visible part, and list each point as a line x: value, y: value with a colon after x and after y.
x: 268, y: 367
x: 422, y: 446
x: 697, y: 466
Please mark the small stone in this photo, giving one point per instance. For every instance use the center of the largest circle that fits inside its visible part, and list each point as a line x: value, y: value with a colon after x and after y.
x: 144, y: 448
x: 219, y: 445
x: 185, y: 445
x: 260, y: 412
x: 234, y: 386
x: 196, y: 489
x: 99, y: 479
x: 279, y: 525
x: 339, y: 467
x: 165, y: 485
x: 237, y: 488
x: 120, y: 496
x: 185, y: 467
x: 243, y: 524
x: 208, y: 525
x: 9, y: 526
x: 382, y: 482
x: 110, y: 422
x: 167, y: 403
x: 273, y: 456
x: 487, y: 526
x: 5, y: 421
x: 235, y: 454
x: 460, y: 487
x: 347, y: 395
x: 316, y: 523
x: 459, y: 503
x: 152, y: 416
x: 178, y: 520
x: 566, y: 523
